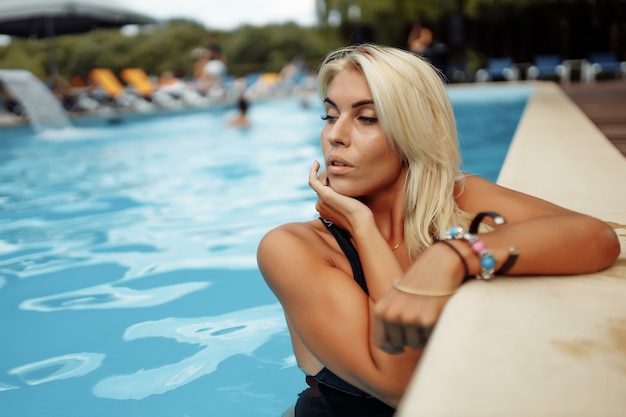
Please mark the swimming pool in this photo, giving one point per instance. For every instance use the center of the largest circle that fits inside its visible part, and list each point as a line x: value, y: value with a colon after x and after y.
x: 128, y: 280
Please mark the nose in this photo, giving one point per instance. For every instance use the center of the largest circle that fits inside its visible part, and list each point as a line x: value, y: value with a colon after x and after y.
x: 338, y: 133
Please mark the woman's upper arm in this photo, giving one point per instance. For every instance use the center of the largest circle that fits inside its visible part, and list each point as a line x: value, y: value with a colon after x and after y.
x: 328, y: 309
x: 480, y: 194
x: 323, y: 302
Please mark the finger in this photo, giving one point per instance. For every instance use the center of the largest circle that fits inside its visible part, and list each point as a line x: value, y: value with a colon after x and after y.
x: 395, y: 336
x: 323, y: 177
x: 385, y: 337
x: 387, y: 348
x: 427, y: 331
x: 378, y: 330
x: 313, y: 179
x: 414, y: 336
x: 379, y: 336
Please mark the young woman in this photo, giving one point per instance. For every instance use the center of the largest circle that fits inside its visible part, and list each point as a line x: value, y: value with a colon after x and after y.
x: 363, y: 286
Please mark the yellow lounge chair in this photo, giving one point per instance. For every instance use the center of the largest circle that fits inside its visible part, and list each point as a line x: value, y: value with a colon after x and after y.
x: 115, y: 90
x: 108, y: 82
x: 139, y: 81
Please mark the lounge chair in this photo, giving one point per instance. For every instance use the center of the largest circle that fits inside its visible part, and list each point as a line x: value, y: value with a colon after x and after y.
x: 547, y: 66
x: 114, y: 91
x: 266, y: 84
x: 165, y: 97
x: 498, y: 69
x: 143, y: 86
x: 602, y: 63
x: 73, y: 98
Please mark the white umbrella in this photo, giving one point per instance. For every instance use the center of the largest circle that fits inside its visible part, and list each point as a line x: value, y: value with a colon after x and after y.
x: 51, y: 18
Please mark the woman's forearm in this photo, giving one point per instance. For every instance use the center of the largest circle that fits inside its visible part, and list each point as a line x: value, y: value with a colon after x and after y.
x: 379, y: 263
x: 582, y: 245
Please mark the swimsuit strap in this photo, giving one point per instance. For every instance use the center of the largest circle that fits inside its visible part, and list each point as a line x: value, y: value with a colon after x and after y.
x: 343, y: 239
x: 326, y: 376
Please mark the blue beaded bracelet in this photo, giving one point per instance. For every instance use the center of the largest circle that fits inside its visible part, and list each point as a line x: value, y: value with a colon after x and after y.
x: 487, y: 261
x: 498, y: 220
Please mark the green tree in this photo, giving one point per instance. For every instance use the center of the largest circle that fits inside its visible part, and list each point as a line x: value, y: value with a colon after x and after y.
x: 269, y: 48
x: 171, y: 46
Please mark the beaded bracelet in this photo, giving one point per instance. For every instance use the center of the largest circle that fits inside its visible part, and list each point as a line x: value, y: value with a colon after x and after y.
x: 498, y: 219
x: 478, y: 219
x: 510, y: 261
x: 460, y: 255
x: 487, y: 261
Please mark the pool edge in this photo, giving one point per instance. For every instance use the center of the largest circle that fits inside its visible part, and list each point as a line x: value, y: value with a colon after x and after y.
x: 539, y: 346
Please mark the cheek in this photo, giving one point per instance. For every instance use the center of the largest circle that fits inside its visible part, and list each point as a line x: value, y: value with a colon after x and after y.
x: 381, y: 153
x: 385, y: 163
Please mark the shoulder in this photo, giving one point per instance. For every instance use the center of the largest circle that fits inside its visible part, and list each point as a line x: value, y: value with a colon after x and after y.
x: 292, y: 255
x: 291, y: 241
x: 292, y: 233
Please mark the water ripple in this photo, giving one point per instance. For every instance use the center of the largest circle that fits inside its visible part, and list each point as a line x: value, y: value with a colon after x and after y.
x: 109, y: 296
x: 222, y: 336
x: 61, y: 367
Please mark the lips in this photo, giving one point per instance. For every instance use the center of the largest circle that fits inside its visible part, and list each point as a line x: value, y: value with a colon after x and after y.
x: 334, y: 160
x: 336, y: 165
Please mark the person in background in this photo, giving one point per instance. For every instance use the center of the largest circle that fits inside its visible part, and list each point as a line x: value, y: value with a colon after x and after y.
x: 213, y: 44
x: 209, y: 71
x: 170, y: 83
x: 400, y: 229
x: 241, y: 120
x: 419, y: 40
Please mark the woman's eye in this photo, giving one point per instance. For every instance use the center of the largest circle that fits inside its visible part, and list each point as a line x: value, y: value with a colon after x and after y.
x: 329, y: 118
x: 368, y: 120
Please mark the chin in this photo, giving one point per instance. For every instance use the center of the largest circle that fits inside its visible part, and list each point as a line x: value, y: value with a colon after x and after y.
x: 344, y: 187
x: 348, y: 192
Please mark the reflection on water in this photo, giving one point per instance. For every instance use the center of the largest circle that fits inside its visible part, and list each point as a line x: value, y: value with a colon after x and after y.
x: 223, y: 336
x: 61, y: 367
x: 110, y: 296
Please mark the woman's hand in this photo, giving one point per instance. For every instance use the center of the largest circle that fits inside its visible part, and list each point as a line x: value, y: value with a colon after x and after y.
x: 405, y: 319
x: 337, y: 208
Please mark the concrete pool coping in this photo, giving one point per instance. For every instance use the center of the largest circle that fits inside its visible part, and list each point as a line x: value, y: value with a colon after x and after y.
x: 539, y: 346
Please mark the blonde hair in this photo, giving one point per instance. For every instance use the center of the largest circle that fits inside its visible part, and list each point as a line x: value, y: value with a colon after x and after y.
x: 416, y: 115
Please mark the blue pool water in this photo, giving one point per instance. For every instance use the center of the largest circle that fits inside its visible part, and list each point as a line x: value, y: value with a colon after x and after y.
x: 128, y: 279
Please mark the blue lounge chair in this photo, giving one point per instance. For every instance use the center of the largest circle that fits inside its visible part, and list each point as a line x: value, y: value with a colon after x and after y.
x: 547, y: 66
x: 599, y: 63
x: 498, y: 69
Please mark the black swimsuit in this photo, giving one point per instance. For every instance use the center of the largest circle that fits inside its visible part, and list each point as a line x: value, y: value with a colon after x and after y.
x: 328, y: 395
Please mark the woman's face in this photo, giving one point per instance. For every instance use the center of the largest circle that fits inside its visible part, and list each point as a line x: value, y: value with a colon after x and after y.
x: 360, y: 162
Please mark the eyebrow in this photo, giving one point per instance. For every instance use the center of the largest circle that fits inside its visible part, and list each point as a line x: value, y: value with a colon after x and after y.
x: 354, y: 105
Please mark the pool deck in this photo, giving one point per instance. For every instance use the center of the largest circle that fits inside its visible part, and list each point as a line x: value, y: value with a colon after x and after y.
x: 604, y: 102
x: 539, y: 346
